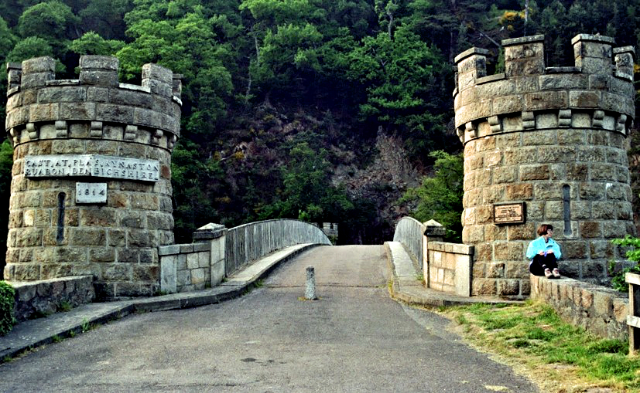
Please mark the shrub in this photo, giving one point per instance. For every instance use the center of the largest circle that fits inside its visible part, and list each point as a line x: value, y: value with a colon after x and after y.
x: 633, y: 255
x: 7, y: 298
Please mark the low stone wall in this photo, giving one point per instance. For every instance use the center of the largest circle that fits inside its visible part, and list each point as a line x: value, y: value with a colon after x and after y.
x: 40, y: 298
x: 448, y: 267
x: 599, y: 310
x: 190, y: 267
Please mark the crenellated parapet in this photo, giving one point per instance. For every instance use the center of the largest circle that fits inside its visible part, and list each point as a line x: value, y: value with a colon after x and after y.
x: 91, y: 189
x: 545, y: 145
x: 95, y: 106
x: 597, y: 92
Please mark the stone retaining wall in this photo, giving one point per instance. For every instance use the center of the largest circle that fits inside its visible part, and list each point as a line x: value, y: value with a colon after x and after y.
x: 599, y: 310
x: 40, y: 298
x: 448, y: 267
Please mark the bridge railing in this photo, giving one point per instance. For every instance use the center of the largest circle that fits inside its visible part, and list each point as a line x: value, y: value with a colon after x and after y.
x: 218, y: 252
x: 410, y: 233
x: 249, y: 242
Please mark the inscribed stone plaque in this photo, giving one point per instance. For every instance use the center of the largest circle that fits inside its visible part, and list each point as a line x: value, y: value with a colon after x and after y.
x: 92, y: 165
x: 508, y: 213
x: 91, y: 192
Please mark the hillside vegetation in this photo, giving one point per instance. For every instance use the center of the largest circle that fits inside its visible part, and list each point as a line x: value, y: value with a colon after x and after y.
x: 322, y: 110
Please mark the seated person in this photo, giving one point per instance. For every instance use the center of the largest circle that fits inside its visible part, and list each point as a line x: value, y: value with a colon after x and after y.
x: 544, y: 253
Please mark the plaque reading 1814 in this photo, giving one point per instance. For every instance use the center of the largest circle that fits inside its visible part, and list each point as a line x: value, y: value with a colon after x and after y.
x: 91, y: 192
x: 509, y: 213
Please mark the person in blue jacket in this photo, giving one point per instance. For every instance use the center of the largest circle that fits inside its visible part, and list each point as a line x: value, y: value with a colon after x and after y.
x: 544, y: 253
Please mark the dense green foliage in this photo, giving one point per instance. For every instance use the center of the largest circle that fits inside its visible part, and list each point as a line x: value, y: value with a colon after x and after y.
x: 275, y: 88
x: 633, y: 255
x: 7, y: 299
x: 440, y: 197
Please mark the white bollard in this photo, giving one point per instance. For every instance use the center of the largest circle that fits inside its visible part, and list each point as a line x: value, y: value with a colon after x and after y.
x: 310, y: 291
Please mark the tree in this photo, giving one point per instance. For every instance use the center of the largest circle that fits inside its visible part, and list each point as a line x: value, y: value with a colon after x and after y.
x: 182, y: 39
x: 30, y: 47
x: 440, y: 197
x: 51, y: 20
x: 92, y: 44
x: 308, y: 194
x: 105, y: 17
x: 402, y: 77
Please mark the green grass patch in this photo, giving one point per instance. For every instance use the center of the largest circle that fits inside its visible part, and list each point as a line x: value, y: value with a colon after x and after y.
x: 534, y: 335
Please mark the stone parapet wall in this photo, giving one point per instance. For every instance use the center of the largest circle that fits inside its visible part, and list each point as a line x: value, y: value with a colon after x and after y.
x: 56, y: 126
x: 553, y: 138
x: 38, y: 105
x: 189, y: 267
x: 448, y: 267
x: 40, y: 298
x: 599, y: 310
x: 527, y: 87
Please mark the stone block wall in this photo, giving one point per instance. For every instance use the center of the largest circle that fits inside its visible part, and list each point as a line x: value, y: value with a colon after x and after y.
x: 40, y: 298
x: 191, y: 267
x: 96, y: 131
x: 555, y: 139
x: 185, y: 267
x: 448, y: 267
x: 599, y: 310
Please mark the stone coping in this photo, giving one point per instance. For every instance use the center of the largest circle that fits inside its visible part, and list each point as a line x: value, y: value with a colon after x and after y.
x: 593, y: 38
x: 624, y: 49
x: 523, y: 40
x: 175, y: 249
x: 470, y: 52
x: 454, y: 248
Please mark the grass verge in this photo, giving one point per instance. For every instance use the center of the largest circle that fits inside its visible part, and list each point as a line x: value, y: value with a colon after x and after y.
x: 558, y: 356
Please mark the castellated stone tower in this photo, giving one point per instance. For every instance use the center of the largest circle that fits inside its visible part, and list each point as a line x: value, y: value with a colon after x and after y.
x: 544, y: 145
x: 91, y: 189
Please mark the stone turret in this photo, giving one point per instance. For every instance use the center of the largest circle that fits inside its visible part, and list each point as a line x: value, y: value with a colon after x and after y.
x: 91, y: 188
x: 550, y: 143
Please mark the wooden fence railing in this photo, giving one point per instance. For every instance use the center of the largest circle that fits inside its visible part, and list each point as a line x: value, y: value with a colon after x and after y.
x: 633, y: 319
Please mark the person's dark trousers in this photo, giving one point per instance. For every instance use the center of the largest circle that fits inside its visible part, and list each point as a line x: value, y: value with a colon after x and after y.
x: 541, y: 262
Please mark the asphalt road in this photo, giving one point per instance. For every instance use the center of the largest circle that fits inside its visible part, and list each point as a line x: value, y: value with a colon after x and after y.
x: 353, y: 339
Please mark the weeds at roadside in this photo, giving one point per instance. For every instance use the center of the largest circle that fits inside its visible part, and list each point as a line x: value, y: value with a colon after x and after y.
x: 534, y: 336
x: 56, y: 339
x: 86, y: 326
x: 64, y: 306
